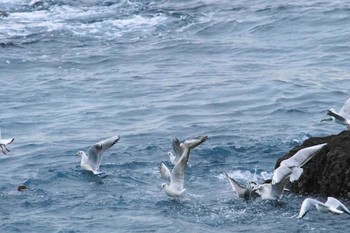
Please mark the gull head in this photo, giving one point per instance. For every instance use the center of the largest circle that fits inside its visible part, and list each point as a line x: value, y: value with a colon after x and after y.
x: 80, y: 154
x: 169, y: 154
x: 163, y: 186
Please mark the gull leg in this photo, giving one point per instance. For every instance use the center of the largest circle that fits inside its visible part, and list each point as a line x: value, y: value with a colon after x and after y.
x: 2, y: 148
x: 7, y: 149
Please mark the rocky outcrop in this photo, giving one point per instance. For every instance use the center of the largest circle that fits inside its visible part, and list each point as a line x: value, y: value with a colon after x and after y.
x: 328, y: 172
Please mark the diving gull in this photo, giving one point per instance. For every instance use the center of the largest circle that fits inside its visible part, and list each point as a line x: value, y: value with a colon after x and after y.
x: 176, y: 187
x: 180, y: 147
x: 331, y: 205
x: 243, y: 191
x: 289, y: 171
x: 91, y: 162
x: 343, y: 116
x: 4, y: 143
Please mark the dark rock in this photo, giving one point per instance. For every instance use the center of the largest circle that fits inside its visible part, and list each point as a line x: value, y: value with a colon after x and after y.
x: 328, y: 172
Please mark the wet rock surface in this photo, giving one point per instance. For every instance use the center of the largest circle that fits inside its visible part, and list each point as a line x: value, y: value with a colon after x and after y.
x: 328, y: 172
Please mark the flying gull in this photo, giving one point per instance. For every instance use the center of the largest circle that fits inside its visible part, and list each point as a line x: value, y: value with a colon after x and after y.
x: 180, y: 147
x: 91, y: 162
x: 289, y: 171
x: 331, y: 205
x: 176, y: 177
x: 342, y: 117
x: 4, y: 143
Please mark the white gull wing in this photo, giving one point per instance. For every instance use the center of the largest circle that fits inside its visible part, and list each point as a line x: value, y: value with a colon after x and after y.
x: 345, y: 110
x: 307, y: 205
x: 192, y: 143
x: 164, y: 172
x: 177, y: 174
x: 96, y: 151
x: 237, y: 187
x: 333, y: 202
x: 280, y: 174
x: 302, y: 156
x: 321, y: 207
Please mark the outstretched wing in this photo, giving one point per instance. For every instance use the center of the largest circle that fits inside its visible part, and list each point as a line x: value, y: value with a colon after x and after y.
x: 322, y: 207
x: 237, y: 187
x: 302, y: 156
x: 164, y: 172
x: 192, y: 143
x: 345, y: 110
x: 333, y: 202
x: 96, y: 151
x: 307, y: 204
x: 177, y: 174
x: 280, y: 174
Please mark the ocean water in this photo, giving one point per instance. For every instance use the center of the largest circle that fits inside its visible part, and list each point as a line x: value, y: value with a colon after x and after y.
x: 255, y: 76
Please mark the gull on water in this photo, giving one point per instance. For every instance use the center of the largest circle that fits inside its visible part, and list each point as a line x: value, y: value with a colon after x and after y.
x: 331, y: 205
x: 4, y: 143
x: 343, y: 116
x: 180, y: 147
x: 289, y: 171
x: 91, y: 162
x: 176, y: 177
x: 244, y: 191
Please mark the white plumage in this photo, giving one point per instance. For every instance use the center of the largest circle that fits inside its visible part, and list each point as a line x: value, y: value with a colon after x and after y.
x: 92, y: 161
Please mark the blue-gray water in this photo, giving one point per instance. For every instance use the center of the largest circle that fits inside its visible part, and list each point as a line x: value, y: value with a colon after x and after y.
x: 255, y: 76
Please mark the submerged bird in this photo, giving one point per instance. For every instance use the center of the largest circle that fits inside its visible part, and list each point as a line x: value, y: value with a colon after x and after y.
x: 91, y: 162
x: 331, y: 205
x: 245, y: 191
x: 21, y: 188
x: 289, y: 171
x: 175, y: 188
x: 4, y: 143
x: 180, y: 147
x: 342, y: 117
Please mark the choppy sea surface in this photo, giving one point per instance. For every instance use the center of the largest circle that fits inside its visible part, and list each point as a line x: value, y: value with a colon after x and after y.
x: 255, y: 76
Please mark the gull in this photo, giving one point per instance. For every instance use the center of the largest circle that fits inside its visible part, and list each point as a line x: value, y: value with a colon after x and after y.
x: 4, y: 143
x: 289, y: 171
x: 180, y: 147
x: 91, y: 162
x: 331, y: 205
x: 176, y: 177
x: 245, y: 192
x: 342, y: 117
